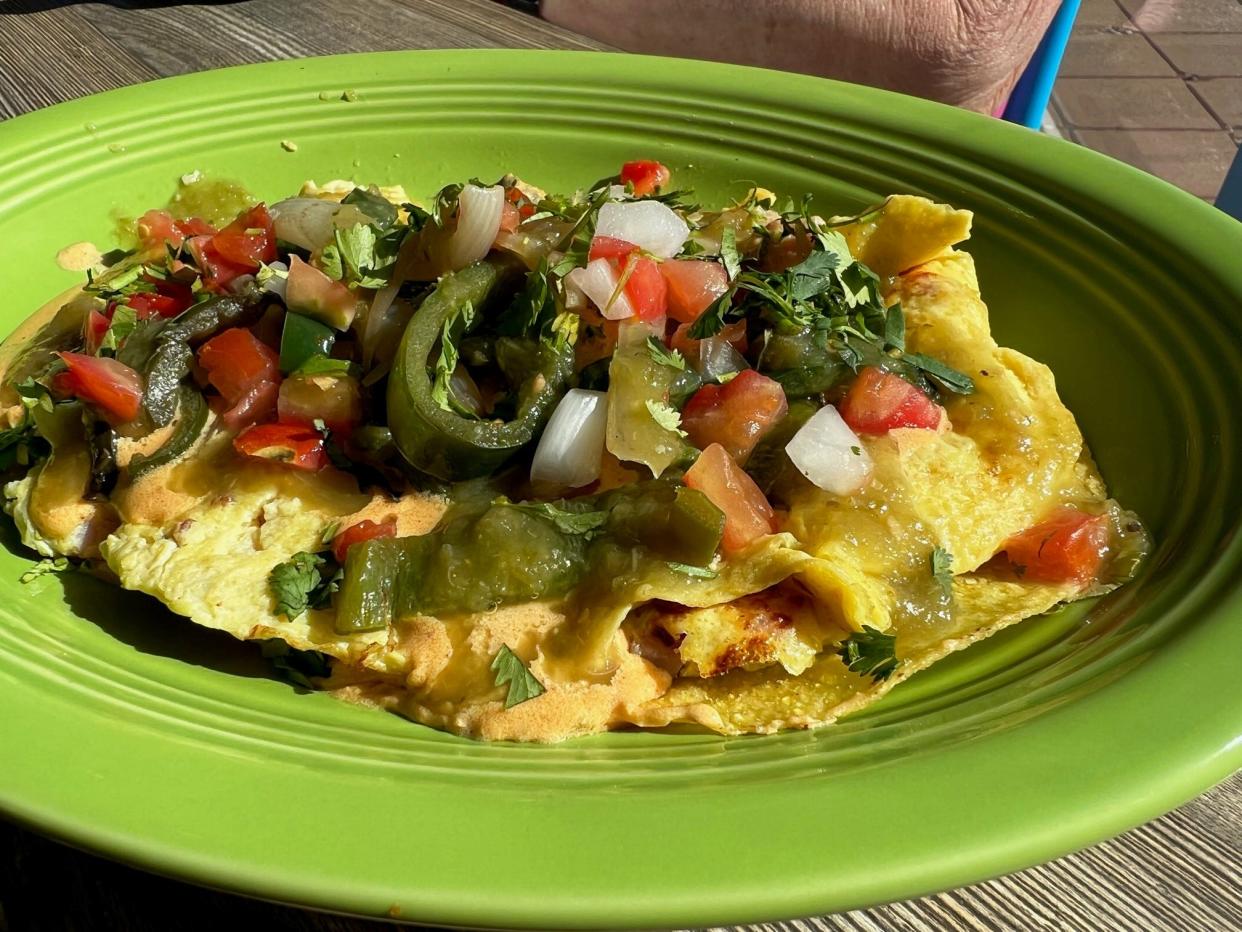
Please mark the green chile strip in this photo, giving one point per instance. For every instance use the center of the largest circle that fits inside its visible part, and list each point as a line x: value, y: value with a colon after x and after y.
x: 193, y: 419
x: 446, y: 444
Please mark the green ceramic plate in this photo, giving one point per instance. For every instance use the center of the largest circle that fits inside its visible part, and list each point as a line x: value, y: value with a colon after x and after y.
x: 130, y: 732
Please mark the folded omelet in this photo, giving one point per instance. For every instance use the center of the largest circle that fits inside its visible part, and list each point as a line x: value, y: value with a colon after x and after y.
x: 771, y: 635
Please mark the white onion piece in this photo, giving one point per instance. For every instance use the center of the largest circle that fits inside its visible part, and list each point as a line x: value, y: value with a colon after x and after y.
x: 828, y: 453
x: 304, y: 221
x: 572, y: 445
x: 617, y: 192
x: 478, y: 221
x: 717, y: 357
x: 649, y: 225
x: 276, y: 283
x: 598, y: 281
x: 575, y: 299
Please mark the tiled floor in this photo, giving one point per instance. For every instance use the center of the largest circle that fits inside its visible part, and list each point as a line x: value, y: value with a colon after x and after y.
x: 1158, y: 84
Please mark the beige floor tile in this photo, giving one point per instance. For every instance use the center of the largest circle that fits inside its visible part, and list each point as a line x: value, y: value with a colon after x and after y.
x: 1097, y: 14
x: 1114, y: 54
x: 1194, y: 161
x: 1131, y: 103
x: 1208, y: 55
x: 1224, y: 96
x: 1185, y: 15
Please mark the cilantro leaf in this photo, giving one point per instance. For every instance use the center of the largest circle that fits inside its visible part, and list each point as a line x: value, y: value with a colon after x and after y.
x: 666, y: 416
x: 895, y: 328
x: 815, y: 274
x: 870, y: 652
x: 712, y: 320
x: 124, y: 320
x: 522, y: 683
x: 296, y: 666
x: 585, y: 523
x: 454, y: 326
x: 728, y: 253
x: 299, y: 584
x: 947, y: 376
x: 663, y: 355
x: 367, y: 254
x: 43, y: 567
x: 942, y: 569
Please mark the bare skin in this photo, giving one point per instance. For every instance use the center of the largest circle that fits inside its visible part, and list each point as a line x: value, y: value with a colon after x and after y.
x: 963, y: 52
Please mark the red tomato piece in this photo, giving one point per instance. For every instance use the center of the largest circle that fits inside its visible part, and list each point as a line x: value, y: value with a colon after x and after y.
x: 93, y: 331
x: 237, y: 361
x: 249, y: 240
x: 510, y: 217
x: 748, y: 516
x: 294, y: 445
x: 157, y: 227
x: 112, y: 387
x: 153, y: 304
x: 609, y: 247
x: 785, y: 253
x: 736, y: 415
x: 357, y: 533
x: 693, y: 285
x: 644, y: 176
x: 879, y: 401
x: 216, y: 270
x: 255, y: 406
x: 646, y: 289
x: 1068, y: 546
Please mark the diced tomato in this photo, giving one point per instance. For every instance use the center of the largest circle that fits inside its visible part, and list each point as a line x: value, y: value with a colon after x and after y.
x: 255, y: 406
x: 113, y: 387
x: 510, y: 217
x: 693, y: 285
x: 1068, y: 546
x: 646, y: 289
x: 157, y: 227
x: 644, y: 176
x: 237, y: 363
x: 216, y: 270
x: 334, y: 399
x: 94, y: 329
x: 609, y: 247
x: 748, y: 516
x: 153, y: 304
x: 249, y: 240
x: 736, y: 415
x: 357, y: 533
x: 734, y: 333
x: 519, y: 200
x: 295, y: 445
x: 879, y: 401
x: 309, y: 291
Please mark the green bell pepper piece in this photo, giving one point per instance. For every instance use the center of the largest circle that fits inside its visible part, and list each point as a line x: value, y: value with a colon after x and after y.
x: 443, y: 442
x: 365, y: 603
x: 303, y: 338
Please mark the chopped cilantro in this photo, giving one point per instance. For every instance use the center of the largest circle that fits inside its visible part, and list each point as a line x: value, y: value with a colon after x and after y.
x: 522, y: 683
x: 296, y: 666
x: 454, y: 326
x: 124, y: 320
x: 586, y: 523
x: 666, y: 416
x: 300, y: 583
x: 870, y: 652
x: 320, y: 364
x: 942, y: 569
x: 663, y: 355
x: 944, y: 375
x: 728, y: 253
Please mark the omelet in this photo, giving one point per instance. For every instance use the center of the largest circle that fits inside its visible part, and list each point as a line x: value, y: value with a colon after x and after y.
x: 411, y: 527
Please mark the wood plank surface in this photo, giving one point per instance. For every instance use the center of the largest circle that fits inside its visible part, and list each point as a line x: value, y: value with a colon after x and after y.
x: 1180, y: 872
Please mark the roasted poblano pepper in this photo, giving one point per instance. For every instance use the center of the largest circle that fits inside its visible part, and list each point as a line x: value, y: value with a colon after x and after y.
x: 192, y: 420
x: 434, y: 437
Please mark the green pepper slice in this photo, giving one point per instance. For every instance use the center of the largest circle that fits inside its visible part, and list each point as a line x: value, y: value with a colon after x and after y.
x: 367, y: 590
x: 303, y: 338
x: 193, y: 418
x: 443, y: 442
x: 676, y: 523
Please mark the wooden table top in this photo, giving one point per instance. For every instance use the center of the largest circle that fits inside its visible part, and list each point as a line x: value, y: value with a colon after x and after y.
x: 1178, y: 872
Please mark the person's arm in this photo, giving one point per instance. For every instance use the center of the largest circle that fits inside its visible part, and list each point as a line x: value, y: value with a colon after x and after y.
x: 963, y: 52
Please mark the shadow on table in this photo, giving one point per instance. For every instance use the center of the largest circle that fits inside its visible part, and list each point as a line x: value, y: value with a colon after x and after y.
x: 18, y: 7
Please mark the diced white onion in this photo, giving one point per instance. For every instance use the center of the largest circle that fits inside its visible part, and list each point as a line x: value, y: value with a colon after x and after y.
x: 617, y: 192
x: 828, y: 453
x: 572, y: 445
x: 717, y: 358
x: 304, y: 221
x: 478, y: 221
x: 649, y: 225
x: 598, y: 281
